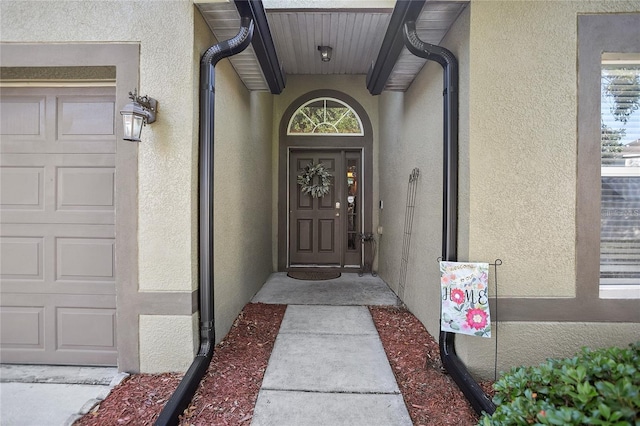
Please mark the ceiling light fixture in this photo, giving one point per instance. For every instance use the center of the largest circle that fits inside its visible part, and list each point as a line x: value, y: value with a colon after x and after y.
x: 325, y: 53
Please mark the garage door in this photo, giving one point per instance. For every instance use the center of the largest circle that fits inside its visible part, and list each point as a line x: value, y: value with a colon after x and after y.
x: 57, y: 230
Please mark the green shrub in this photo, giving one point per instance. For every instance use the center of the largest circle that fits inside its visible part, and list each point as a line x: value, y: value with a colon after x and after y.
x: 596, y: 387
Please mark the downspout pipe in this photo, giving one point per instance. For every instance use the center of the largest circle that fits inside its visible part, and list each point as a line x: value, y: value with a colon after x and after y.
x: 187, y: 387
x: 479, y: 400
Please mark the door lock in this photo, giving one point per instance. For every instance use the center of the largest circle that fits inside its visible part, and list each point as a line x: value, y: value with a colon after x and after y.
x: 337, y: 204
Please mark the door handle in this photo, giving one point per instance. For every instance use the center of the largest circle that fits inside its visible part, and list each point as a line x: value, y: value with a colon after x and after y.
x: 337, y: 214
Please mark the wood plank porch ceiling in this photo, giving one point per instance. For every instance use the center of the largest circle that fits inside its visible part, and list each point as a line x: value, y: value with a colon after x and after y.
x: 355, y: 36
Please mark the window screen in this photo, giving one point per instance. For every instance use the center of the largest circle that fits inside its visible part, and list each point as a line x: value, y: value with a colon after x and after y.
x: 620, y: 171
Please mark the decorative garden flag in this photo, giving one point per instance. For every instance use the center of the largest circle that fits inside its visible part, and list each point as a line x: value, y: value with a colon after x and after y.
x: 465, y: 298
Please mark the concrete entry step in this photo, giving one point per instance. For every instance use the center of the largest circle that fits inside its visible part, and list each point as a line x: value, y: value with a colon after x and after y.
x: 328, y: 367
x: 347, y: 290
x: 78, y: 375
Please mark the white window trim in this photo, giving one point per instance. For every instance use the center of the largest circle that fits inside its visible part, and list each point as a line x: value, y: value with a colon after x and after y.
x: 617, y: 291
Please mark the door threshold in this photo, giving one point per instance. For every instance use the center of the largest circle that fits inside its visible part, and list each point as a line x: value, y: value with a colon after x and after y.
x: 313, y: 266
x: 326, y: 268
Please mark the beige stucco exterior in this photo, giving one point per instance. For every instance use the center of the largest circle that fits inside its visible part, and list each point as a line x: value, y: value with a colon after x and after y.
x: 522, y: 122
x: 242, y: 170
x: 166, y: 156
x: 167, y: 342
x: 242, y: 197
x: 172, y: 36
x: 529, y: 343
x: 411, y: 128
x: 517, y: 177
x: 517, y: 188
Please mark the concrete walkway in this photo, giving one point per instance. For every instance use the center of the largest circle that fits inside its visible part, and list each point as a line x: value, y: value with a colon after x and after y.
x: 328, y: 366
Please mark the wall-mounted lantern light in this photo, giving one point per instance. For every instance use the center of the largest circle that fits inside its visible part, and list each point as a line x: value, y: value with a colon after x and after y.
x: 139, y: 112
x: 325, y: 53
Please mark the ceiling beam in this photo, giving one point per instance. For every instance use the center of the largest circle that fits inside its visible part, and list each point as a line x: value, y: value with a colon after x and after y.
x: 392, y: 45
x: 262, y: 43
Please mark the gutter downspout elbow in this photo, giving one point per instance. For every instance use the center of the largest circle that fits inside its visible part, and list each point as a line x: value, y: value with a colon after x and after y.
x: 479, y: 400
x: 187, y: 387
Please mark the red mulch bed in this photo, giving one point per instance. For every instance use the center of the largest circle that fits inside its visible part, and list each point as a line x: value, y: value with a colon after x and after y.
x: 138, y: 400
x: 431, y: 396
x: 229, y: 390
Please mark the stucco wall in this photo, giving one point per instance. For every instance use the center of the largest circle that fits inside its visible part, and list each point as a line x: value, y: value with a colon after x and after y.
x: 167, y: 342
x: 518, y: 107
x: 165, y: 236
x: 298, y: 85
x: 242, y: 212
x: 394, y: 170
x: 242, y: 200
x: 411, y: 135
x: 172, y: 35
x: 165, y: 155
x: 523, y: 115
x: 523, y: 124
x: 529, y: 343
x: 523, y: 152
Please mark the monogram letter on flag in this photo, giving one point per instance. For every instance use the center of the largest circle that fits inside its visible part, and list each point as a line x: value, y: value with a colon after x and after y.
x: 465, y: 298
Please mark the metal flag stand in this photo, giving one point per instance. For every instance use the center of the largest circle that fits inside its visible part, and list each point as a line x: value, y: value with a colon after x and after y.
x: 494, y: 315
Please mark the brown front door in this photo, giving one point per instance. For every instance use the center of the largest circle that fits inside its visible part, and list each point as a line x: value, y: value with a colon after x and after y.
x: 323, y: 231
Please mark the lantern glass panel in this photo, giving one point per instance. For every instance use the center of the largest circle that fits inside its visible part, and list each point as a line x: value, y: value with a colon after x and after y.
x: 132, y: 125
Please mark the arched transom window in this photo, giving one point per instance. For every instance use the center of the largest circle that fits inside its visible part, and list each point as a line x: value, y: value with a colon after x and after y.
x: 325, y: 116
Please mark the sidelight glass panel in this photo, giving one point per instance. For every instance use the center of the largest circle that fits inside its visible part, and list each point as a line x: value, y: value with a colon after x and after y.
x: 353, y: 241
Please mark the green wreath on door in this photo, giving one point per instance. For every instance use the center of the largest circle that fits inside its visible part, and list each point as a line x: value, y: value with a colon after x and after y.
x: 306, y: 180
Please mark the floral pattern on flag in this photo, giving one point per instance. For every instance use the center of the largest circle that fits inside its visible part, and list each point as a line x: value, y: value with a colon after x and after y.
x: 465, y: 298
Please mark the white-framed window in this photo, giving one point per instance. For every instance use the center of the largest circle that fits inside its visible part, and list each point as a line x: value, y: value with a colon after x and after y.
x: 325, y: 116
x: 620, y: 176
